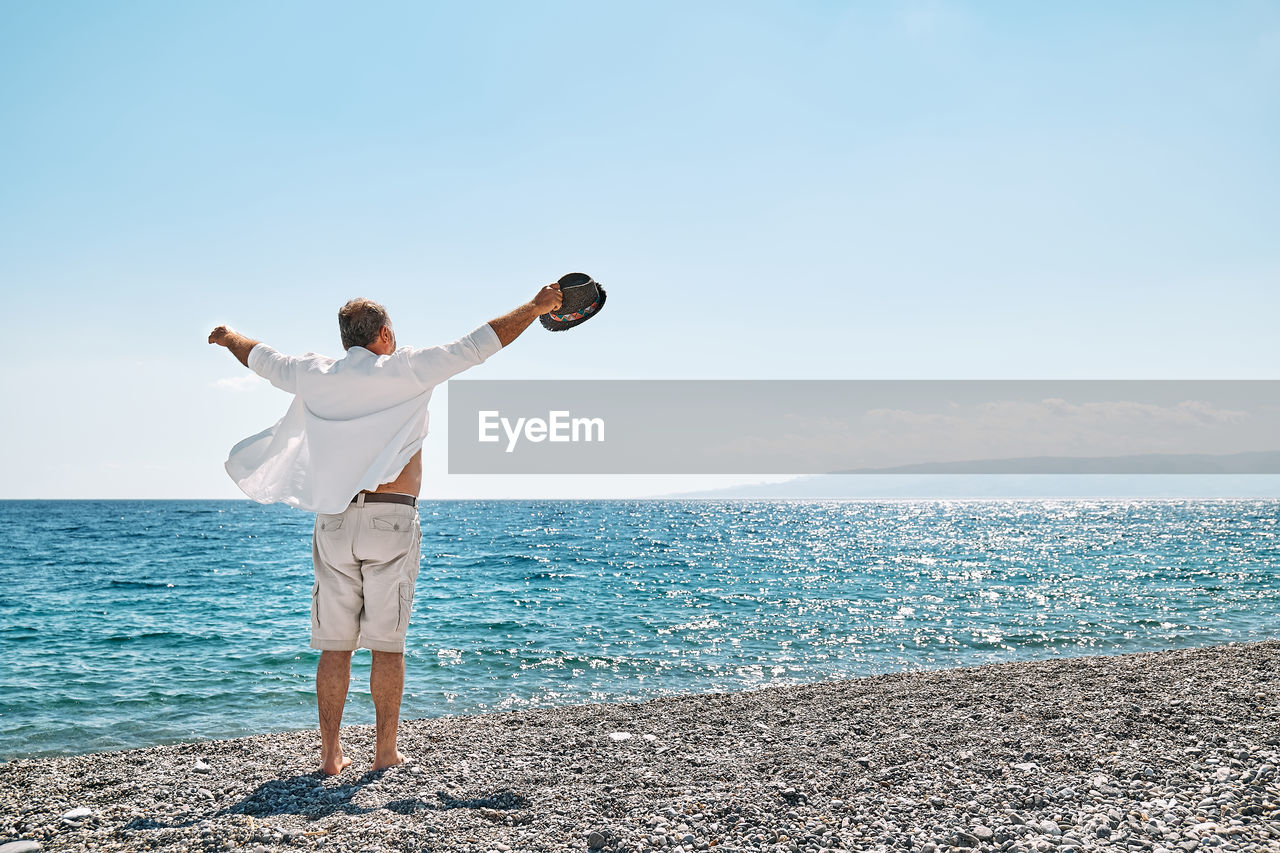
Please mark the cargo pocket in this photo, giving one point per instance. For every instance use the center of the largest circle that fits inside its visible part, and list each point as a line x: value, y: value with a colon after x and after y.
x: 406, y: 606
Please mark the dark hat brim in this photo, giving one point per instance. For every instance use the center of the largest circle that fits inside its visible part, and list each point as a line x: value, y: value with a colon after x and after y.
x: 553, y: 325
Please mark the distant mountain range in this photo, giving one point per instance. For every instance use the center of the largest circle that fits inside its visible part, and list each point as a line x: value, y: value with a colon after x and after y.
x: 1239, y: 475
x: 1253, y: 462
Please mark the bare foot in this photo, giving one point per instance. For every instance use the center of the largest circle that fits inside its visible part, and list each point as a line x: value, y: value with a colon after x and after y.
x: 332, y: 767
x: 381, y: 763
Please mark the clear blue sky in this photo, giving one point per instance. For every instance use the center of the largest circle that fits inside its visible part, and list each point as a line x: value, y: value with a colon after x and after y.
x: 767, y: 190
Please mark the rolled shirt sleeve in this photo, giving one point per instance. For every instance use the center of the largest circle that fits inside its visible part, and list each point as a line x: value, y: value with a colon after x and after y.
x: 433, y: 365
x: 278, y: 369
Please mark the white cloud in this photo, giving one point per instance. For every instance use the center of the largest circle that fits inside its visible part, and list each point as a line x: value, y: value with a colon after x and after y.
x: 1057, y: 427
x: 1000, y: 429
x: 250, y: 382
x: 930, y: 20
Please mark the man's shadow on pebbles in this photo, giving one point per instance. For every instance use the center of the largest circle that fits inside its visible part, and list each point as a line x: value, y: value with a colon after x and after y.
x: 307, y: 796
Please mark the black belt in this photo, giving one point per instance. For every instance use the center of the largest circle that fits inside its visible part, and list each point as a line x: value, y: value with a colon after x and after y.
x: 386, y: 498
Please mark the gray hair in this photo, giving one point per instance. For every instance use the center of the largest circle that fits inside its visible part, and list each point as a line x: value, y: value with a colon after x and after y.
x: 360, y: 321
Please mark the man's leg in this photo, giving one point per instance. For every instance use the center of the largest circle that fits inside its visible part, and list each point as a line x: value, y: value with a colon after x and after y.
x: 386, y: 683
x: 336, y: 602
x: 333, y: 675
x: 391, y: 545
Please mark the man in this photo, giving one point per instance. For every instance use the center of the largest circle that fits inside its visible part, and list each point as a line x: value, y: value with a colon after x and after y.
x: 350, y: 449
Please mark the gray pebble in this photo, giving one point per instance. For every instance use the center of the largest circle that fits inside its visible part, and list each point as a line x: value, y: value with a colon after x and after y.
x: 1048, y: 827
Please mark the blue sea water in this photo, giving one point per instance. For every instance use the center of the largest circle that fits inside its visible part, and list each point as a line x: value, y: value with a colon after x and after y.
x: 131, y: 623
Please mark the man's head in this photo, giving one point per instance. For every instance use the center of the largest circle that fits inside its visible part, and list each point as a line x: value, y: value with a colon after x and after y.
x: 365, y: 323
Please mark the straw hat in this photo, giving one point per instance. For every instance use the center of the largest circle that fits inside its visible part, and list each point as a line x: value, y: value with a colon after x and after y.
x: 582, y: 300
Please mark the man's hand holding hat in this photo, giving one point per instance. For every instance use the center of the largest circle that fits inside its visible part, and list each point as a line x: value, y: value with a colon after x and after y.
x: 549, y: 298
x: 582, y: 299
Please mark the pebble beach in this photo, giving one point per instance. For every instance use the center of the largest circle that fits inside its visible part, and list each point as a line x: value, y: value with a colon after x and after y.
x: 1171, y: 751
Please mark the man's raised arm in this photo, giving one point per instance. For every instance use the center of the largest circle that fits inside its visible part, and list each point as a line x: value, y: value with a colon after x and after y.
x: 510, y: 325
x: 278, y: 369
x: 239, y: 345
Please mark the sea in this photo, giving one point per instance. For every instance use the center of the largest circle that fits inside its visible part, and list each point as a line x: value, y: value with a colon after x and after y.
x: 134, y: 623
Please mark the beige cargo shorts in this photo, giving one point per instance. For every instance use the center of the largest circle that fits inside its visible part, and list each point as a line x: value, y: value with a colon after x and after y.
x: 366, y: 561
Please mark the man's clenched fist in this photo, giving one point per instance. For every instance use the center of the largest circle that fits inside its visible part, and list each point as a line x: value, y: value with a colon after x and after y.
x: 548, y: 298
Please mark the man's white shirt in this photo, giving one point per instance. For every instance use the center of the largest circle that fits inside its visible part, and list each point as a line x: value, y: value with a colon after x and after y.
x: 354, y: 423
